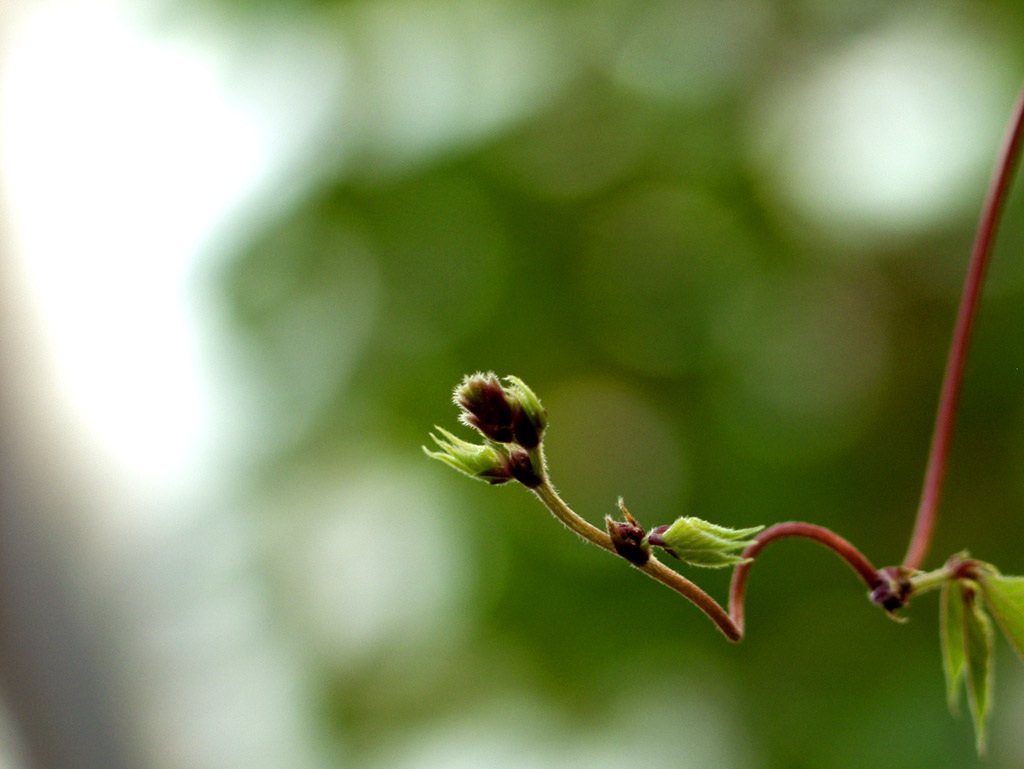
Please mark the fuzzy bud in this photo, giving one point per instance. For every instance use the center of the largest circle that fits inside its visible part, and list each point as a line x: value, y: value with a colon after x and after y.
x: 485, y: 406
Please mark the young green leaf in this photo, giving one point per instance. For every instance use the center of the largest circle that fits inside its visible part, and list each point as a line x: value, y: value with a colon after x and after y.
x: 952, y: 629
x: 978, y: 656
x: 1005, y: 597
x: 701, y: 543
x: 476, y: 461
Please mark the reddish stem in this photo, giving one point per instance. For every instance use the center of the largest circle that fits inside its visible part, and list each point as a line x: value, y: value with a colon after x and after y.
x: 981, y: 254
x: 831, y: 540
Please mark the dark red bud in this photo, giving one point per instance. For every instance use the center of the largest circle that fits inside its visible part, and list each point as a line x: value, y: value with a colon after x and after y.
x: 497, y: 476
x: 486, y: 406
x: 628, y: 540
x: 893, y: 589
x: 522, y: 469
x: 524, y: 429
x: 655, y: 536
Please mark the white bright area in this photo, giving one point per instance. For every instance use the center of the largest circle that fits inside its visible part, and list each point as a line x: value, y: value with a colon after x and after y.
x: 136, y: 142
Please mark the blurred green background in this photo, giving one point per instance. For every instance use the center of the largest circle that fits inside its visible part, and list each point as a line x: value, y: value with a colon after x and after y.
x: 722, y: 240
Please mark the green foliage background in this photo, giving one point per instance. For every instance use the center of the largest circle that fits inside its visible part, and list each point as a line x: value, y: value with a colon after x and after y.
x: 713, y: 333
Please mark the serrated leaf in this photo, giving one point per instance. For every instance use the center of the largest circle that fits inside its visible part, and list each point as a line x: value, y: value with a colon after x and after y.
x: 725, y: 533
x: 1005, y: 597
x: 952, y: 630
x: 978, y: 658
x: 702, y: 543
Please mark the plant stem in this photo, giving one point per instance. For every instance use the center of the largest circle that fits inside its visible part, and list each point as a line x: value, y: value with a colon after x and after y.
x: 653, y: 568
x: 831, y: 540
x: 731, y: 623
x: 547, y: 494
x: 981, y: 254
x: 676, y: 581
x: 922, y: 583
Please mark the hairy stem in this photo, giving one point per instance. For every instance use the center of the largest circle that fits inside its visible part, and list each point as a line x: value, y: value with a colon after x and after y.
x: 981, y: 254
x: 676, y: 581
x: 731, y: 623
x: 831, y: 540
x: 653, y: 568
x: 547, y: 494
x: 922, y: 583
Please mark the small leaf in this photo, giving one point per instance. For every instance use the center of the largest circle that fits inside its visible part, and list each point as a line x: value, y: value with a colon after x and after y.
x: 1005, y: 597
x: 476, y: 461
x: 701, y: 543
x: 952, y: 629
x: 978, y: 655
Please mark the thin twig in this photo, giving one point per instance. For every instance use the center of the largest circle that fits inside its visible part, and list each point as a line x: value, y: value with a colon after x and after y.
x: 981, y: 254
x: 676, y: 581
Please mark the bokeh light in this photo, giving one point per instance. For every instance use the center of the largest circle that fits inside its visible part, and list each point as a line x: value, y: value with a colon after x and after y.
x: 890, y: 135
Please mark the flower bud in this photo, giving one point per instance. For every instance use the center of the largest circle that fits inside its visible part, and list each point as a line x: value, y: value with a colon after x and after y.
x: 529, y: 417
x: 521, y: 468
x: 481, y: 462
x: 485, y: 406
x: 701, y: 543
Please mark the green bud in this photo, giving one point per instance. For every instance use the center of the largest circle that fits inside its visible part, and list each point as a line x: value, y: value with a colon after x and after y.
x: 701, y: 543
x: 476, y: 461
x: 529, y: 418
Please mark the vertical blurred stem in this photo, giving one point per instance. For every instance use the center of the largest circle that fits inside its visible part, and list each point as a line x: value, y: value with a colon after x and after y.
x: 981, y: 254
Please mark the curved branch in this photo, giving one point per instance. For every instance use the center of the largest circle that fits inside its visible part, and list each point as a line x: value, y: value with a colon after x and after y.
x: 653, y: 568
x: 831, y: 540
x: 673, y: 579
x: 731, y: 622
x: 981, y: 255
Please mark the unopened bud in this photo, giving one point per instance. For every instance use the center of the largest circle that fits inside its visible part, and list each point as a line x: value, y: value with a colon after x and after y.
x: 476, y: 461
x: 701, y: 543
x: 628, y: 538
x: 522, y: 469
x: 485, y: 406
